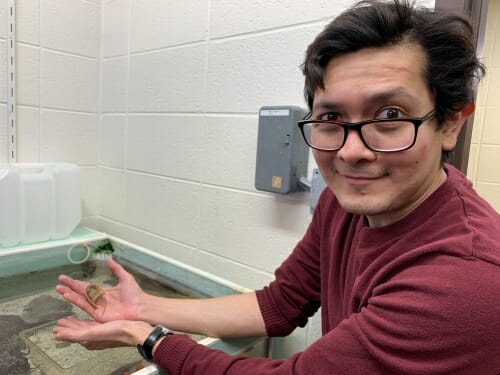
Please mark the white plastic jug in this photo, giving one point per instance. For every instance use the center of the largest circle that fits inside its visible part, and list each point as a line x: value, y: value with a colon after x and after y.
x: 42, y: 200
x: 37, y: 202
x: 10, y: 214
x: 68, y: 206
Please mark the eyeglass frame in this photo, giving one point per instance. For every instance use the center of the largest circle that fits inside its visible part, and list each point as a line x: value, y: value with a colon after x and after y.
x: 346, y: 126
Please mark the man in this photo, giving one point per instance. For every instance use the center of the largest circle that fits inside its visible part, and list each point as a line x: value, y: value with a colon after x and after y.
x: 402, y: 255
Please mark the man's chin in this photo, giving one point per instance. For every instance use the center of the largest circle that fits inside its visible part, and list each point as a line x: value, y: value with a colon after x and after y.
x: 360, y: 208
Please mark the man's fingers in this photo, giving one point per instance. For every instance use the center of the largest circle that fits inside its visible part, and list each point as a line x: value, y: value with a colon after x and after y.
x: 75, y: 285
x: 118, y: 270
x: 79, y: 301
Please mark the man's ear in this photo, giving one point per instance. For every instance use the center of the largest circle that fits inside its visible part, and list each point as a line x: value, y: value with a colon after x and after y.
x: 453, y: 124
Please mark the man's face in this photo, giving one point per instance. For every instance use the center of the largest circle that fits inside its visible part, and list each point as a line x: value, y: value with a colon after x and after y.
x: 377, y: 83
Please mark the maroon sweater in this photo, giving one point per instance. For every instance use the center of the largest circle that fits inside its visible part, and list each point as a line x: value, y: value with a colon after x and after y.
x: 420, y: 296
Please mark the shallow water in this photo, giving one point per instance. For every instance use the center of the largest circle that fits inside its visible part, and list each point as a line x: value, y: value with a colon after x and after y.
x: 29, y: 308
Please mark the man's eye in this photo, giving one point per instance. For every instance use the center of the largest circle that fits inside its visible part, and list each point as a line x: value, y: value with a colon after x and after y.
x: 330, y: 116
x: 390, y: 113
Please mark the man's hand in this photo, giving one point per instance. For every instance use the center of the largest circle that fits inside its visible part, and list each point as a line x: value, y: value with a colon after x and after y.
x: 118, y: 303
x: 96, y: 336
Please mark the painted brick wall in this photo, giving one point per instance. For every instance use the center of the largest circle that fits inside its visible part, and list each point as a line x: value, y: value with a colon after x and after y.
x: 58, y: 63
x: 4, y: 149
x: 485, y: 144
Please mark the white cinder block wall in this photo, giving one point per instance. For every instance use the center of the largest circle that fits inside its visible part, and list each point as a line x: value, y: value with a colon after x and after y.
x: 58, y: 54
x: 3, y: 83
x: 485, y: 143
x: 157, y: 101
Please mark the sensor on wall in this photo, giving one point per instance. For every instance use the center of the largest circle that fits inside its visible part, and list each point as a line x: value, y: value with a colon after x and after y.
x: 282, y: 154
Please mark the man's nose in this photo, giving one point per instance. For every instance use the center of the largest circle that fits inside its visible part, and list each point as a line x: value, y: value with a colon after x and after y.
x: 354, y: 148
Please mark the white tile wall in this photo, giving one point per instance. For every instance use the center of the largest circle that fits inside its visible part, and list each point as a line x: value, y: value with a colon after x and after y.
x: 165, y: 145
x: 115, y: 29
x: 28, y: 21
x: 162, y: 23
x: 488, y: 170
x: 235, y: 225
x: 112, y: 140
x: 69, y: 82
x: 3, y: 19
x: 485, y: 143
x: 233, y: 17
x: 72, y: 26
x: 271, y: 59
x: 4, y: 144
x: 171, y: 80
x: 114, y: 85
x: 3, y: 70
x: 229, y: 151
x: 493, y: 85
x: 28, y: 134
x: 165, y: 207
x: 491, y: 135
x: 28, y: 75
x: 111, y: 193
x: 68, y: 136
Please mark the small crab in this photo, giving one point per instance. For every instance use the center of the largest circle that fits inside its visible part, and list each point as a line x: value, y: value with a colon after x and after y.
x: 93, y: 292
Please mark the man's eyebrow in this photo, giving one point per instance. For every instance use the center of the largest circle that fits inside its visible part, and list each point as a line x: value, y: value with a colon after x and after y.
x: 370, y: 98
x: 383, y: 96
x: 326, y: 105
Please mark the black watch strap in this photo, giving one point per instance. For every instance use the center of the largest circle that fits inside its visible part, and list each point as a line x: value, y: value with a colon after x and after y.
x: 146, y: 349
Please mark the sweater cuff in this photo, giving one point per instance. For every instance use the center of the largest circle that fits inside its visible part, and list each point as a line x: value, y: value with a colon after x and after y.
x: 275, y: 323
x: 172, y: 351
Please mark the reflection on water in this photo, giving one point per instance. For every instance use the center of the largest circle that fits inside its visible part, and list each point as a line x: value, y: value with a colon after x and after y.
x: 29, y: 308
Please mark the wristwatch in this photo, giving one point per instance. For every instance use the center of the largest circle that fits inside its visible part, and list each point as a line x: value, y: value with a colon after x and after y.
x: 146, y: 349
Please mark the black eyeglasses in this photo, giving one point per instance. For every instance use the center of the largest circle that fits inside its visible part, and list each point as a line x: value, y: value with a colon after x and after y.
x: 382, y: 135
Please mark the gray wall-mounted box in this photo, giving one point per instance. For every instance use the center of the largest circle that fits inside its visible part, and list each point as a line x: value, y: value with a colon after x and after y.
x: 282, y: 154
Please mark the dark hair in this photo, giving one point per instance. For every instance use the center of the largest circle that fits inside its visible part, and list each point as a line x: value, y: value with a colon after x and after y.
x: 452, y: 68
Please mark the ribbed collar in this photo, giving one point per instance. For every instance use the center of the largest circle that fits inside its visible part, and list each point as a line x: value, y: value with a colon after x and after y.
x: 418, y: 216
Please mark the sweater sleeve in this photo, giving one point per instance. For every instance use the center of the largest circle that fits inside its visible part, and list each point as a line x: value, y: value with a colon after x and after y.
x: 418, y: 322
